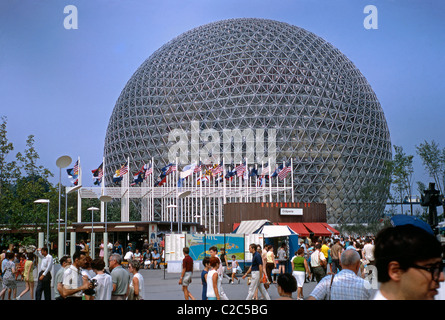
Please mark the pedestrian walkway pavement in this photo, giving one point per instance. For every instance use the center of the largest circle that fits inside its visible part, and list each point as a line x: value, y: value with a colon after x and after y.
x: 162, y: 285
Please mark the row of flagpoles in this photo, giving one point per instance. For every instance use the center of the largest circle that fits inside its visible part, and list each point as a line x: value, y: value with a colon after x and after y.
x: 201, y: 208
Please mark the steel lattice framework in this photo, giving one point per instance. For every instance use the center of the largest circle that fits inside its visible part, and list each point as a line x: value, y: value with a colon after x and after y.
x: 262, y: 74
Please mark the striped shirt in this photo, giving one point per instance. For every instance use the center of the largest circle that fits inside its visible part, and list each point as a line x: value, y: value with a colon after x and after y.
x: 346, y: 286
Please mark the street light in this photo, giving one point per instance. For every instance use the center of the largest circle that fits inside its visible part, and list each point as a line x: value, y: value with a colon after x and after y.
x: 47, y: 219
x: 105, y: 199
x: 182, y: 195
x: 92, y: 230
x: 171, y: 206
x: 61, y: 162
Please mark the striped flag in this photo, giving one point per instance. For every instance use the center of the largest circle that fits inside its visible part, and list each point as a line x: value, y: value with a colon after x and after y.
x: 217, y: 168
x: 240, y: 169
x: 172, y: 168
x: 284, y: 172
x: 148, y: 170
x: 198, y: 168
x: 123, y: 170
x: 98, y: 174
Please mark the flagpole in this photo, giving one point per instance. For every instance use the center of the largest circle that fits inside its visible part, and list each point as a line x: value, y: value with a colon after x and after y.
x: 261, y: 181
x: 102, y: 191
x: 79, y: 199
x: 292, y: 179
x: 270, y: 182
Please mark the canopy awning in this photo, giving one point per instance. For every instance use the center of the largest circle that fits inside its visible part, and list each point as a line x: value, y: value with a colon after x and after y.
x: 298, y: 227
x: 272, y: 231
x: 250, y: 226
x: 317, y: 228
x: 330, y: 228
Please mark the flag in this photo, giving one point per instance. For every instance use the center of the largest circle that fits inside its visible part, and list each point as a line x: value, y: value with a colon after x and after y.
x: 240, y: 169
x: 253, y: 172
x: 148, y: 170
x: 124, y: 169
x: 138, y: 177
x: 217, y: 168
x: 230, y: 174
x: 198, y: 168
x: 277, y: 170
x: 117, y: 177
x: 265, y: 171
x: 161, y: 181
x: 188, y: 170
x: 73, y: 172
x: 171, y: 169
x: 98, y: 174
x: 284, y: 172
x: 202, y: 178
x: 165, y: 171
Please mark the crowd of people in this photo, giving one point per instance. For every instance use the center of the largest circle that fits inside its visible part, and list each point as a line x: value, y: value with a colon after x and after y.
x: 405, y: 259
x: 79, y: 277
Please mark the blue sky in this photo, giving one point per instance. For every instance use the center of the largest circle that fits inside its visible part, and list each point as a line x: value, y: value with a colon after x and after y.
x: 61, y: 85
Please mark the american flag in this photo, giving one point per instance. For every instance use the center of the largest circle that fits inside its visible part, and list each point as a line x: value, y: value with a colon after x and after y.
x: 197, y: 168
x: 217, y: 169
x: 240, y: 169
x: 123, y: 170
x: 76, y: 168
x: 265, y: 171
x: 284, y: 172
x: 148, y: 170
x: 171, y: 169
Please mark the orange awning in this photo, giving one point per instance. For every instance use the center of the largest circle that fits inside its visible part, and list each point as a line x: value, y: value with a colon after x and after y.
x: 298, y: 227
x: 317, y: 228
x: 331, y: 229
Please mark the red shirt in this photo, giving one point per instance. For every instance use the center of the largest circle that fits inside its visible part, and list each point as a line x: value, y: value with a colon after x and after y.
x: 187, y: 263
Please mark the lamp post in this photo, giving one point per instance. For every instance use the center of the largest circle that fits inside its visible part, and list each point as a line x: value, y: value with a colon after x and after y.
x: 92, y: 209
x: 105, y: 199
x: 47, y: 219
x: 181, y: 195
x: 171, y: 206
x: 62, y: 162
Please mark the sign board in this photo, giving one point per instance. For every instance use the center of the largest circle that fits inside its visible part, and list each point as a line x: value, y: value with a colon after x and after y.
x: 291, y: 211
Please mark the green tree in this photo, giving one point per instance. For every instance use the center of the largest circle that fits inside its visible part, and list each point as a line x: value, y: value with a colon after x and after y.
x: 402, y: 175
x: 32, y: 184
x: 9, y: 172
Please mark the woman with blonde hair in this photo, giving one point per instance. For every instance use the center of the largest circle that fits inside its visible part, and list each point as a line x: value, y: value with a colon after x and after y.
x: 28, y: 276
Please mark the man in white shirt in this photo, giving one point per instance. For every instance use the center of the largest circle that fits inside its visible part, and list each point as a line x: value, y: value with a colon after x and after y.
x: 368, y: 252
x: 72, y: 281
x: 318, y: 261
x: 44, y: 280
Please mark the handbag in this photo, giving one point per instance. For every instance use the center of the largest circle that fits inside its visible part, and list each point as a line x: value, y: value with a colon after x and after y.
x: 322, y: 262
x: 265, y: 281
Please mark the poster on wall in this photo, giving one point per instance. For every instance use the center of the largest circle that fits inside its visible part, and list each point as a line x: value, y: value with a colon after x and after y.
x: 217, y: 240
x: 174, y: 243
x: 256, y: 238
x: 235, y: 246
x: 196, y: 244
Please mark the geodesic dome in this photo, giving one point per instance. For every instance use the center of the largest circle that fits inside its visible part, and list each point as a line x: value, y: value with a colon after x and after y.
x: 262, y: 74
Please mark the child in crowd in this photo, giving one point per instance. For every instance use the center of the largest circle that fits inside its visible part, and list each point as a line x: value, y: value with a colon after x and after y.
x: 234, y: 268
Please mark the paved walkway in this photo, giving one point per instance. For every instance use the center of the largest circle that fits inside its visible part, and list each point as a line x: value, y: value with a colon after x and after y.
x: 161, y: 285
